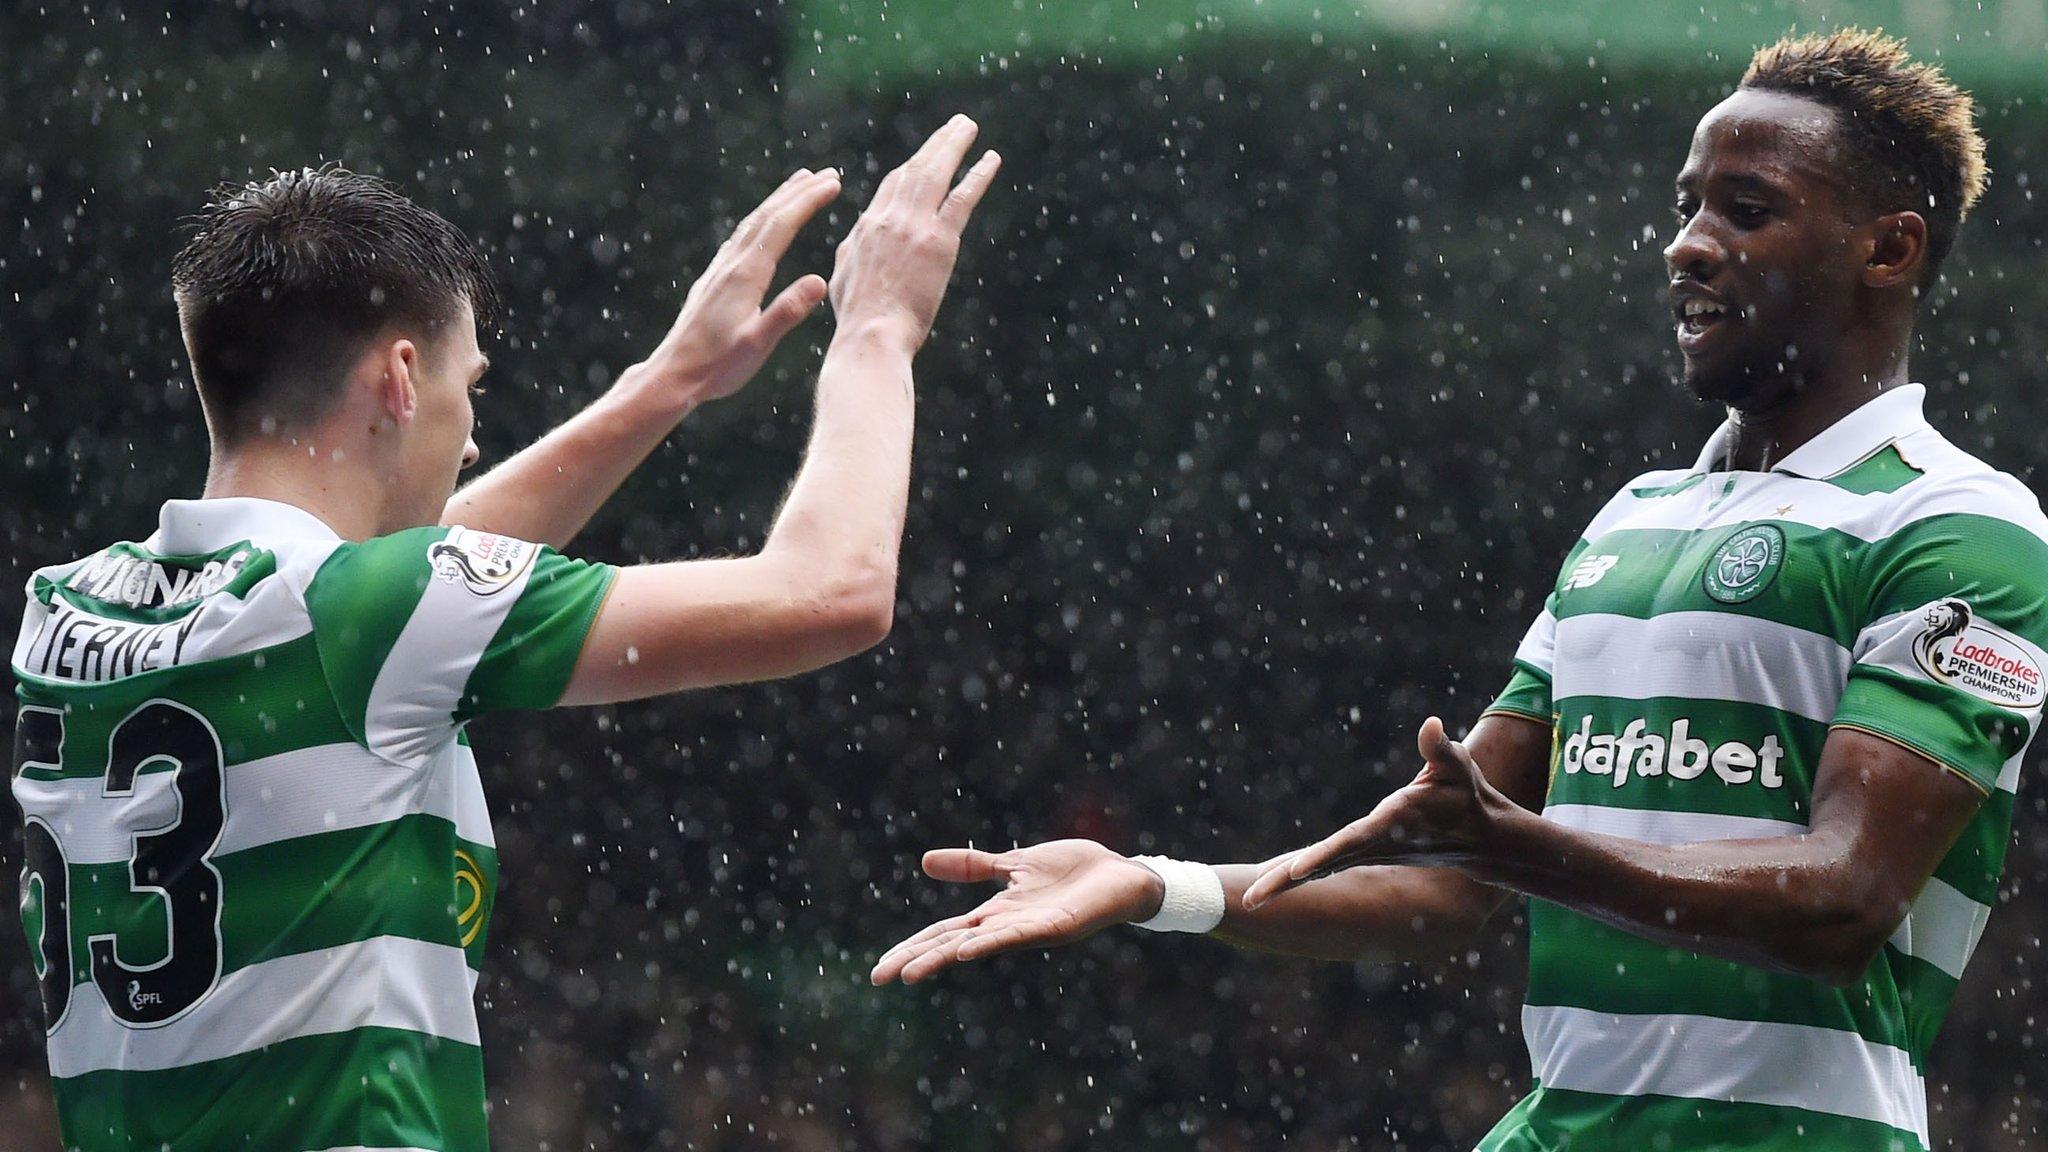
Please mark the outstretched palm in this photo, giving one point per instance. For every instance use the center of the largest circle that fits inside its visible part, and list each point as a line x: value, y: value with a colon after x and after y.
x: 1055, y: 893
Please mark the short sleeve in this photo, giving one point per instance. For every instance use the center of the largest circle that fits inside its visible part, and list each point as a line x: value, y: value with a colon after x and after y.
x: 1951, y: 663
x: 1528, y: 688
x: 421, y: 630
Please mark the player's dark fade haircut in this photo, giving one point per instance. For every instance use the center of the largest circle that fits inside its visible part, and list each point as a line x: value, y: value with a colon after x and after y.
x: 282, y: 282
x: 1910, y: 133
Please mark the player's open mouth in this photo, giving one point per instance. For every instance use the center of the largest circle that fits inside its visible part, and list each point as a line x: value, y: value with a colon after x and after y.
x: 1697, y: 317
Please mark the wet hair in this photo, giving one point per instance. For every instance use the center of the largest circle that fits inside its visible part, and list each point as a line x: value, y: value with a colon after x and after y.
x: 1910, y: 133
x: 283, y: 281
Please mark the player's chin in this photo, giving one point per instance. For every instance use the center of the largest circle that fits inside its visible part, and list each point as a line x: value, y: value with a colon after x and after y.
x: 1721, y: 380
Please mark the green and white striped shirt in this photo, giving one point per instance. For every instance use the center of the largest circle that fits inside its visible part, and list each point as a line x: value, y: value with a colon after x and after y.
x: 1701, y: 640
x: 258, y: 862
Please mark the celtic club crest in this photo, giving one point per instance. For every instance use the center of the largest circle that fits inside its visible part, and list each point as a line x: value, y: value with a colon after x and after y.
x: 1745, y: 564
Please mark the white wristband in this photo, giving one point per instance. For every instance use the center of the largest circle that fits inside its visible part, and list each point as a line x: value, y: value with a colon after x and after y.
x: 1194, y: 895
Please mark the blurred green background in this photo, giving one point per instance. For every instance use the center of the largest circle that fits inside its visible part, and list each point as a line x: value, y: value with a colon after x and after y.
x: 1294, y: 347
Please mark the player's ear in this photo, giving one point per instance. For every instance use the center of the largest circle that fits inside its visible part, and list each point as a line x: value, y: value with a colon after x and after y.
x: 1897, y: 251
x: 397, y: 396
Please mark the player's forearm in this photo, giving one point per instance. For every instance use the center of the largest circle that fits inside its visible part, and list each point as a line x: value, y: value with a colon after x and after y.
x: 550, y: 490
x: 1381, y: 915
x: 1793, y: 904
x: 844, y: 514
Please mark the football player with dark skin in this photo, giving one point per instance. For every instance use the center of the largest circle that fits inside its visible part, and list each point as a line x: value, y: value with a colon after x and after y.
x: 1794, y: 296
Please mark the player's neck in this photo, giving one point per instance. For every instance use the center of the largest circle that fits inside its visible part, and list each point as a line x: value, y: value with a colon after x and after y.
x: 1759, y: 439
x: 308, y: 480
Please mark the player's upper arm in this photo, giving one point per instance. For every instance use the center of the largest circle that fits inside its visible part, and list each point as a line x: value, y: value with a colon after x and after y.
x: 423, y: 629
x: 1944, y: 692
x: 667, y: 627
x: 1896, y: 815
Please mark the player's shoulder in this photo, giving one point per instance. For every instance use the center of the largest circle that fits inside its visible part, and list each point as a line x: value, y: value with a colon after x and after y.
x: 1951, y: 481
x: 402, y: 564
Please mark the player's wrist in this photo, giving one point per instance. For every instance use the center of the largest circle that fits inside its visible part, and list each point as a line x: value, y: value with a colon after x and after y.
x: 1190, y: 896
x: 888, y: 333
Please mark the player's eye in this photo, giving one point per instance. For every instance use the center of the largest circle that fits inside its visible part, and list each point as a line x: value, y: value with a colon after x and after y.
x: 476, y: 389
x: 1683, y: 210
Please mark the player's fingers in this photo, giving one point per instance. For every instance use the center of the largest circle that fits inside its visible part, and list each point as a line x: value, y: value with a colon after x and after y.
x: 743, y: 232
x: 891, y: 965
x: 1443, y: 753
x: 994, y: 937
x: 933, y: 931
x: 926, y: 175
x: 939, y: 955
x: 961, y: 201
x: 780, y: 225
x: 789, y: 308
x: 1270, y: 883
x: 963, y: 865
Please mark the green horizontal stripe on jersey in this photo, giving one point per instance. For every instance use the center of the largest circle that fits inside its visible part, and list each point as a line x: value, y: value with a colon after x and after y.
x: 1527, y: 693
x: 371, y: 1087
x: 1831, y: 583
x: 300, y: 895
x: 1552, y: 1120
x: 1714, y: 722
x: 1924, y: 992
x: 1579, y: 962
x: 1972, y: 736
x: 1973, y: 866
x: 260, y: 704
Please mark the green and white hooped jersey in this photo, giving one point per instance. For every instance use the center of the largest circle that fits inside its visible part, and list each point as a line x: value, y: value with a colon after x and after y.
x: 258, y: 863
x: 1701, y: 640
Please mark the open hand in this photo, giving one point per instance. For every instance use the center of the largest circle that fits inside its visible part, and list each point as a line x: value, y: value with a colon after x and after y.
x: 892, y: 268
x: 1441, y: 818
x: 723, y: 333
x: 1058, y: 892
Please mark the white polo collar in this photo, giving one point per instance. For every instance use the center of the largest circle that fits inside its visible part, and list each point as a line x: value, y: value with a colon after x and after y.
x: 189, y: 527
x: 1889, y: 416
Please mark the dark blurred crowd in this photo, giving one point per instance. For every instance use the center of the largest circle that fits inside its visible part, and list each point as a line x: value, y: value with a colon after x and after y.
x: 1273, y: 385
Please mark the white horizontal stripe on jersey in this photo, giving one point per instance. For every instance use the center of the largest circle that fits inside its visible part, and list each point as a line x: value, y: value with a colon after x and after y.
x: 1736, y: 1061
x: 1788, y: 499
x: 1538, y: 648
x: 1942, y: 928
x: 384, y: 982
x: 1701, y: 656
x: 410, y: 713
x: 304, y: 792
x: 1661, y: 827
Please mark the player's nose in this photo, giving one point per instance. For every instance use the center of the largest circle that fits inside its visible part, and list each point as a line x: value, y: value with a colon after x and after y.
x: 1694, y: 251
x: 471, y: 453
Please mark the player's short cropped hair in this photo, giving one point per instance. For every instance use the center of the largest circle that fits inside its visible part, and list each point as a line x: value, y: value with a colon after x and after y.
x: 1911, y: 134
x: 282, y: 282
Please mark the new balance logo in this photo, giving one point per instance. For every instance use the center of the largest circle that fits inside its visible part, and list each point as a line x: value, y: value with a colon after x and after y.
x: 1588, y: 572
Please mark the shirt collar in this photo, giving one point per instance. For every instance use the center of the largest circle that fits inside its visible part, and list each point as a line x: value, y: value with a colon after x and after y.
x: 190, y: 527
x: 1891, y: 415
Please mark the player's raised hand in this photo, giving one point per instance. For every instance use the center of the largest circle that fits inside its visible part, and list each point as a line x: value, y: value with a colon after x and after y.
x: 1439, y: 819
x: 1055, y: 893
x: 723, y: 333
x: 893, y: 266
